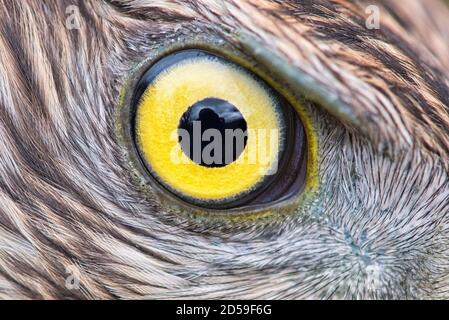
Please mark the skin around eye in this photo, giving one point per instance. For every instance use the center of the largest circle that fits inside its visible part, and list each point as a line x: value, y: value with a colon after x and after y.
x: 210, y: 131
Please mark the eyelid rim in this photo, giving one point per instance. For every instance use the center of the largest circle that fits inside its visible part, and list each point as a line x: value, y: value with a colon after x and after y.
x: 222, y: 47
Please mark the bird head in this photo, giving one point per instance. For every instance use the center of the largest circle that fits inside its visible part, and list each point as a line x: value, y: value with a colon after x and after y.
x: 356, y: 92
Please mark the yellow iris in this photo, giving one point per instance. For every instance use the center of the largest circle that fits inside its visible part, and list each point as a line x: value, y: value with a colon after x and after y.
x: 170, y: 95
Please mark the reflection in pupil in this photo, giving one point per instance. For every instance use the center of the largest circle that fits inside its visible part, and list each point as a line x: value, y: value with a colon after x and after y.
x: 213, y: 133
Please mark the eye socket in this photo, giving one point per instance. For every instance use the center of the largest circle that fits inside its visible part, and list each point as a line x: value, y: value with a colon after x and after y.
x: 215, y: 135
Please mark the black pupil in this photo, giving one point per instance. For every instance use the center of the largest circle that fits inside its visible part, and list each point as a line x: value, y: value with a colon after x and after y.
x: 213, y: 133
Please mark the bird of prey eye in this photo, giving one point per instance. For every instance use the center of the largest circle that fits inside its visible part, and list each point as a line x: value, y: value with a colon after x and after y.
x: 224, y: 149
